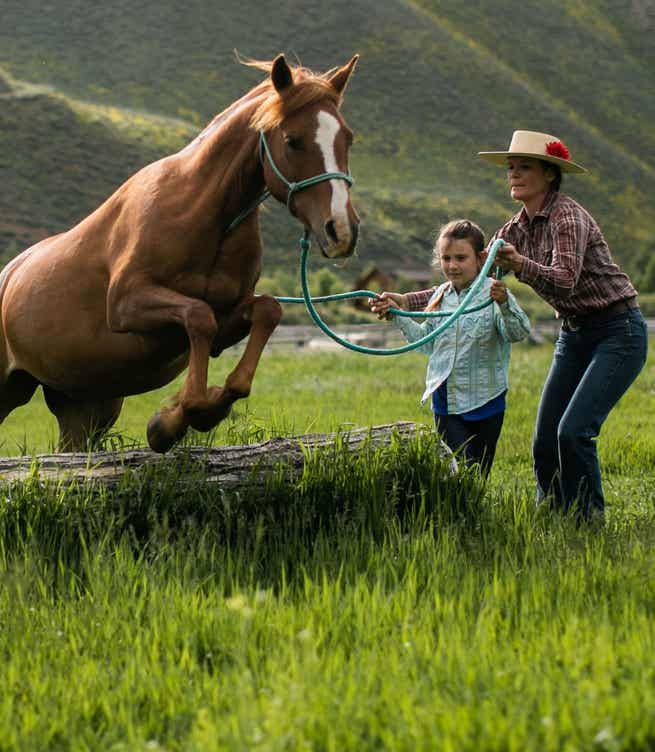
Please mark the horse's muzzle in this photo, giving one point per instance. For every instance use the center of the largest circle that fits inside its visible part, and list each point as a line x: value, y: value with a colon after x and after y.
x: 339, y: 246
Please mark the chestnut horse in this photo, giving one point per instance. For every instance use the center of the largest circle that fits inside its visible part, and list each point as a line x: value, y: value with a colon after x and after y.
x: 158, y: 277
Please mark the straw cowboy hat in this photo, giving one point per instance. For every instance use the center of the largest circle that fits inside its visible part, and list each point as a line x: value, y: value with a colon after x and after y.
x: 537, y: 145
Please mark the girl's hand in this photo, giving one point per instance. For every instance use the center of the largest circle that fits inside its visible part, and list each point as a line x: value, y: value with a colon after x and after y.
x: 508, y: 258
x: 498, y: 291
x: 385, y: 301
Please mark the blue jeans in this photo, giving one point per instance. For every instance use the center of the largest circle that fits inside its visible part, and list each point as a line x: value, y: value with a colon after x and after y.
x: 478, y: 437
x: 592, y: 368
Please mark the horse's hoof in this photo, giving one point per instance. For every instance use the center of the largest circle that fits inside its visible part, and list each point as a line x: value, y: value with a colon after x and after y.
x: 163, y: 433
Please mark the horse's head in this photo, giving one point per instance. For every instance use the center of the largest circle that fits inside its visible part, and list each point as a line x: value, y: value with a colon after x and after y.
x: 307, y: 137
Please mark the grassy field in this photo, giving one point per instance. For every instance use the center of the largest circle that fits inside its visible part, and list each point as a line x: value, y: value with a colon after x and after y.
x: 377, y: 604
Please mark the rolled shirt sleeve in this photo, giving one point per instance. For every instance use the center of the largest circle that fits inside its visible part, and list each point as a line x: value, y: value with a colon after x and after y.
x: 416, y: 301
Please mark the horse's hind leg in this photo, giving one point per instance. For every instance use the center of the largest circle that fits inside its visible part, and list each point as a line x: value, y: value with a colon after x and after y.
x: 81, y: 422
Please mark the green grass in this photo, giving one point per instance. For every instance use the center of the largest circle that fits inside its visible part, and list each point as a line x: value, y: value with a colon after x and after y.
x: 376, y: 604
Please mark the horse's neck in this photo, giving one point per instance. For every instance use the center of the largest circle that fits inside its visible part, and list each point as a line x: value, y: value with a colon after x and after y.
x: 223, y: 160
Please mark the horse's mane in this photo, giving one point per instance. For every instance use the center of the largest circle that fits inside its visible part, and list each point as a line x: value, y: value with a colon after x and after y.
x: 308, y: 87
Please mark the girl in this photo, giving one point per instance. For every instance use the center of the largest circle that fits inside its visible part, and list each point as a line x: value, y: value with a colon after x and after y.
x: 467, y: 370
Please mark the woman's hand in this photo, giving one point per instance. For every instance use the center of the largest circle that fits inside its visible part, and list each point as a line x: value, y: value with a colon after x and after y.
x: 385, y: 301
x: 508, y: 258
x: 498, y: 291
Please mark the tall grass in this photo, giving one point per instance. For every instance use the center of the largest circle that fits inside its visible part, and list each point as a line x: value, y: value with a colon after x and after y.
x: 376, y: 603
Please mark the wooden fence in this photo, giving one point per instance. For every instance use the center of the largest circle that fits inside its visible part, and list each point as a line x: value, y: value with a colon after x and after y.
x: 382, y: 335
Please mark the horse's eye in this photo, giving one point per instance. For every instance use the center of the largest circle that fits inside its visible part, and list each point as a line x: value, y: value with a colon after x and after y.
x: 294, y: 142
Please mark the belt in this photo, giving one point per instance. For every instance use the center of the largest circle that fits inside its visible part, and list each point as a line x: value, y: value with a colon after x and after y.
x: 573, y: 322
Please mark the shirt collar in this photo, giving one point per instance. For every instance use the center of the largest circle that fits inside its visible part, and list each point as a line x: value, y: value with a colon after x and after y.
x: 522, y: 217
x: 452, y: 291
x: 549, y: 203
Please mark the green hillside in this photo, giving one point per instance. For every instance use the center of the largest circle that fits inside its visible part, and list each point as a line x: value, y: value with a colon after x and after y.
x: 437, y: 81
x: 59, y: 163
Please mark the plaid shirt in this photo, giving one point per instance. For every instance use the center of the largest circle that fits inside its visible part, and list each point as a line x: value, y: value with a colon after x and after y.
x: 566, y: 259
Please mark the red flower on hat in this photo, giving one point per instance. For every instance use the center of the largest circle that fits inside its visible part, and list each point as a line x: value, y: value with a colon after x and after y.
x: 557, y: 149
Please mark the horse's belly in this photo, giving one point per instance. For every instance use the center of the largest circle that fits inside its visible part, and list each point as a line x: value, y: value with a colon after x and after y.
x: 90, y: 361
x: 55, y: 327
x: 124, y: 368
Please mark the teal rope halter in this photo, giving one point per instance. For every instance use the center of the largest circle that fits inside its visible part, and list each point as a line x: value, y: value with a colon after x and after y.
x: 292, y: 188
x: 302, y: 184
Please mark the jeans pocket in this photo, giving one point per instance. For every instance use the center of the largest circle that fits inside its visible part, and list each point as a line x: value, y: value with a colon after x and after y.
x: 564, y: 341
x: 621, y: 326
x: 636, y: 331
x: 634, y: 336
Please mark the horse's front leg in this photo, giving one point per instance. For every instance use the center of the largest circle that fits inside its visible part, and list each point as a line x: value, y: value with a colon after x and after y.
x: 263, y: 314
x: 143, y: 310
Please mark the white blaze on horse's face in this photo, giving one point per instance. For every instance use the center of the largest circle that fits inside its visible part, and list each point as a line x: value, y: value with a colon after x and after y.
x: 326, y: 134
x: 338, y: 228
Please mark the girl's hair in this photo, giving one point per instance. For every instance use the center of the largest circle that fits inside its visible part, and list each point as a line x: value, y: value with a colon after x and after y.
x: 557, y: 181
x: 460, y: 229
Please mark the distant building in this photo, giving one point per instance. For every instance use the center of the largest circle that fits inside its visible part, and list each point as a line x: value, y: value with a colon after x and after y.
x: 399, y: 280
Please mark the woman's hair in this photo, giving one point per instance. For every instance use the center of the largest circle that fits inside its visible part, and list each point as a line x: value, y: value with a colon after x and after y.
x: 459, y: 229
x: 557, y: 182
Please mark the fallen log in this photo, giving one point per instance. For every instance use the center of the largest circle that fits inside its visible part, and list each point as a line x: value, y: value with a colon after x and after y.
x: 229, y: 466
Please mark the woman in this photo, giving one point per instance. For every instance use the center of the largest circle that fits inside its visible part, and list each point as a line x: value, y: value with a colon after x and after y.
x: 554, y: 245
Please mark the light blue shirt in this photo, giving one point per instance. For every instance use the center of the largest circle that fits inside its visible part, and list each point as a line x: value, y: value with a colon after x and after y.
x: 473, y: 353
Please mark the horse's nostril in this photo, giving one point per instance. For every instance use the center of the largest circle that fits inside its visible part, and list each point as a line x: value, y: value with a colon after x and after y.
x: 331, y: 231
x: 354, y: 234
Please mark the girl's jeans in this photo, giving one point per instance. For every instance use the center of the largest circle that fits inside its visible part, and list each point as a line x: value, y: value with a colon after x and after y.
x: 592, y: 368
x: 477, y: 437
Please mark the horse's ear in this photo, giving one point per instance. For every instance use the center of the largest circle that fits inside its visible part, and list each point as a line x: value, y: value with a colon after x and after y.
x: 340, y: 77
x: 281, y: 74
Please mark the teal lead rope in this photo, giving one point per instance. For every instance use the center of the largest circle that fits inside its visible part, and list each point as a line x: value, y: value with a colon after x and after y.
x: 451, y: 316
